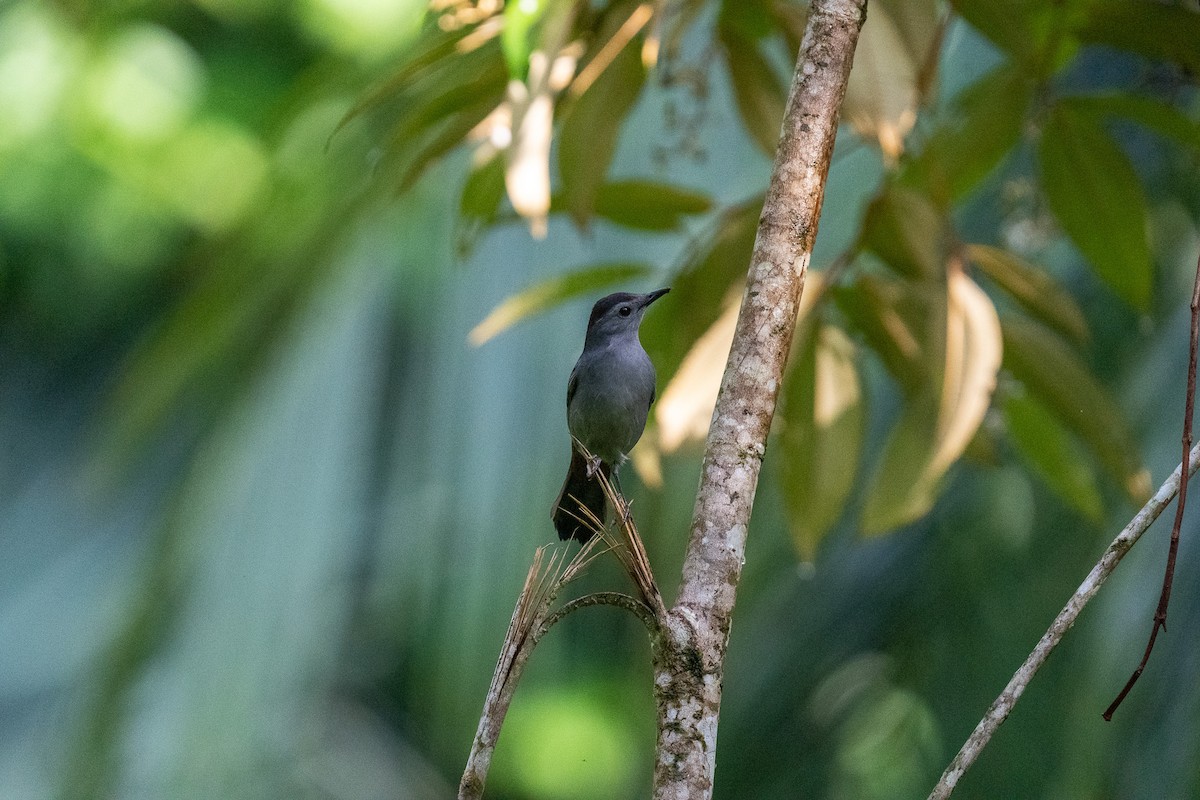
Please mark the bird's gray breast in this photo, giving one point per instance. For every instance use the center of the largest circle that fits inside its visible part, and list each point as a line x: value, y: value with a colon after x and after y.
x: 613, y: 387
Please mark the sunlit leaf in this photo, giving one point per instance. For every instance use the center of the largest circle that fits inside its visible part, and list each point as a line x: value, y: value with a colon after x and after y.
x: 757, y: 89
x: 980, y: 128
x: 1094, y: 193
x: 685, y: 408
x: 907, y: 232
x: 527, y: 158
x: 1053, y: 454
x: 647, y: 205
x: 894, y: 65
x: 1149, y: 112
x: 1056, y: 377
x: 1156, y: 31
x: 550, y: 293
x: 519, y: 36
x: 823, y: 419
x: 588, y: 137
x: 938, y: 423
x: 1032, y: 287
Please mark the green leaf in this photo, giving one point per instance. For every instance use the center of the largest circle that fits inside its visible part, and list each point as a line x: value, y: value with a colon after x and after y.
x: 940, y: 420
x: 823, y: 424
x: 550, y: 293
x: 1151, y: 113
x: 479, y: 204
x: 1157, y: 31
x: 1094, y: 193
x: 1032, y: 287
x: 438, y: 46
x: 983, y: 124
x: 646, y: 205
x: 1025, y: 29
x: 757, y: 89
x: 907, y: 231
x: 1056, y: 377
x: 588, y: 137
x: 713, y: 264
x: 1054, y: 454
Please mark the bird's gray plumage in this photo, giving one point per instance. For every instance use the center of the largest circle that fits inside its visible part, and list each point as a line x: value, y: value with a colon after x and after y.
x: 608, y: 399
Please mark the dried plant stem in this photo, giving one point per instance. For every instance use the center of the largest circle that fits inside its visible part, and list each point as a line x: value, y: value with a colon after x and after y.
x: 1003, y: 704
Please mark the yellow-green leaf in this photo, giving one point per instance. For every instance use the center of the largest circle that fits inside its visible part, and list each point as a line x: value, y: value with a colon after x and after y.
x: 551, y: 292
x: 1032, y: 287
x: 823, y: 422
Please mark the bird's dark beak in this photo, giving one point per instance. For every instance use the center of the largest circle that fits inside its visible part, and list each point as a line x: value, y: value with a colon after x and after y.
x: 650, y: 298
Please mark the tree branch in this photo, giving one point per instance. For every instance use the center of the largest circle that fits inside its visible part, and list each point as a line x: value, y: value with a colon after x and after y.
x: 1003, y: 705
x: 688, y: 664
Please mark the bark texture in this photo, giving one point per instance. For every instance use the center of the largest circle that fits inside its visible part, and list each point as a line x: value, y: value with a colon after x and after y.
x: 690, y: 654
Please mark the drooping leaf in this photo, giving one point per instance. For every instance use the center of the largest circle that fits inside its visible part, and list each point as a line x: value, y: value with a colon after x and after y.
x: 983, y: 124
x: 588, y: 137
x: 894, y: 65
x: 907, y: 232
x: 1055, y: 376
x: 479, y: 204
x: 713, y: 263
x: 1055, y: 456
x: 1032, y: 287
x: 1156, y: 31
x: 407, y: 165
x: 646, y: 205
x: 821, y: 434
x: 1094, y: 192
x: 757, y: 89
x: 550, y: 293
x: 938, y: 422
x: 1149, y: 112
x: 901, y: 321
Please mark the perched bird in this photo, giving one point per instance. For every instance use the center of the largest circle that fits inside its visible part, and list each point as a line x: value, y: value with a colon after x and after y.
x: 608, y: 399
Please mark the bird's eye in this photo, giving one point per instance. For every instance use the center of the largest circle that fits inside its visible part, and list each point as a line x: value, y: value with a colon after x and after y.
x: 625, y: 311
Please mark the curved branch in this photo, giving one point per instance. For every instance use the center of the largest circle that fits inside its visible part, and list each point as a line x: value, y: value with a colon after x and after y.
x: 1003, y: 705
x: 618, y: 599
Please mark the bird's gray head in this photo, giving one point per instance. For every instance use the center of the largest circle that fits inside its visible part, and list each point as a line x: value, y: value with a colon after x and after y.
x: 619, y: 315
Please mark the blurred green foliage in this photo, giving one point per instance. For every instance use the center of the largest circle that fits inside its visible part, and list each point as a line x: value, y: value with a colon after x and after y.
x: 263, y: 509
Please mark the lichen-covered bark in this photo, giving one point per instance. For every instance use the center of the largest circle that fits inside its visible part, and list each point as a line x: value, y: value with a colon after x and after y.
x: 690, y: 654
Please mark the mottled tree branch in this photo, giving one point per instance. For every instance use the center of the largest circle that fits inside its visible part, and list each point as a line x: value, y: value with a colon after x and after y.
x: 689, y: 657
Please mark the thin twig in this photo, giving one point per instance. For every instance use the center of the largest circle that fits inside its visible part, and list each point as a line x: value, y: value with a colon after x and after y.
x: 1003, y: 704
x: 1164, y: 598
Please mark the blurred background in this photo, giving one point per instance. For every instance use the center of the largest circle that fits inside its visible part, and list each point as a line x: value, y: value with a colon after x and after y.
x: 267, y: 493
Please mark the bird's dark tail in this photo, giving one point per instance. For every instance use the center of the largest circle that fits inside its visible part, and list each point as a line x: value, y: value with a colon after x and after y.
x: 579, y: 490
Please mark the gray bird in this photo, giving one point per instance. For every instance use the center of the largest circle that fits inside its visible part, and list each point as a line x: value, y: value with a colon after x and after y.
x: 608, y: 399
